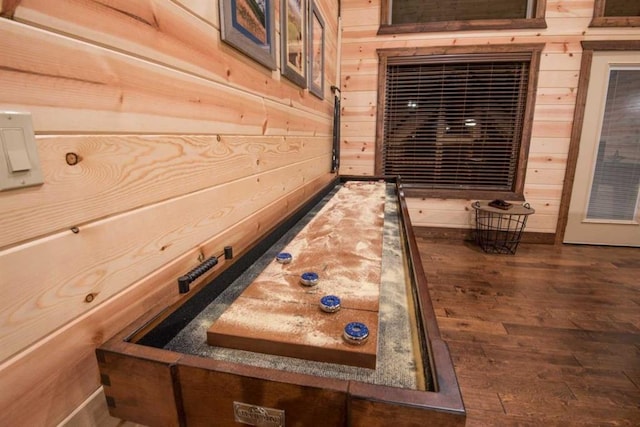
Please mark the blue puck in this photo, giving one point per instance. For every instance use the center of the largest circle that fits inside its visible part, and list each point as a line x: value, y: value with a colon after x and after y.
x: 284, y: 257
x: 330, y: 303
x: 356, y: 333
x: 309, y: 278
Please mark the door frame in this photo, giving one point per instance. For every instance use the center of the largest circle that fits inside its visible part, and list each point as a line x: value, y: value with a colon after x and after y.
x: 588, y: 48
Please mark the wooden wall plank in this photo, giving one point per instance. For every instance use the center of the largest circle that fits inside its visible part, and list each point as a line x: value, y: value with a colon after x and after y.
x: 569, y: 8
x: 541, y: 175
x: 551, y: 129
x: 549, y: 145
x: 165, y: 33
x: 569, y: 61
x: 556, y: 96
x: 352, y: 154
x: 554, y: 112
x: 105, y: 86
x: 547, y: 161
x: 359, y: 113
x: 119, y: 173
x: 364, y: 98
x: 207, y: 10
x: 94, y: 412
x: 559, y: 78
x: 359, y: 67
x: 358, y: 129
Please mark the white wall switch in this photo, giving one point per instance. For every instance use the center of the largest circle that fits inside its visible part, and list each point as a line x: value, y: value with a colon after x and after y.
x: 19, y: 164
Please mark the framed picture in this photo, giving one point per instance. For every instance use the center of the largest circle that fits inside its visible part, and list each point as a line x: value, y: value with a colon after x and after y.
x: 316, y: 51
x: 248, y: 25
x: 294, y: 41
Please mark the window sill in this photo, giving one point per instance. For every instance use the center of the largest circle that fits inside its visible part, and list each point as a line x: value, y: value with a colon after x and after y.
x: 414, y: 191
x: 492, y: 24
x: 615, y: 21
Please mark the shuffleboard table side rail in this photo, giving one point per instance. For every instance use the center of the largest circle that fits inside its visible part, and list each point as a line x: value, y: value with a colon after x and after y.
x: 441, y: 367
x: 374, y: 405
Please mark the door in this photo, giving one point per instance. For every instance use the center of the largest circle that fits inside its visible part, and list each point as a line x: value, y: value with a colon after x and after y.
x: 604, y: 202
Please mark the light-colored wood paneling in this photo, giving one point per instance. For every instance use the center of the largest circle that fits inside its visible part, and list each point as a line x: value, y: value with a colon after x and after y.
x: 549, y: 146
x: 559, y: 78
x: 554, y: 112
x: 567, y: 25
x: 547, y: 161
x: 359, y: 67
x: 560, y: 61
x: 117, y: 93
x: 555, y: 96
x: 120, y: 173
x: 94, y: 413
x: 105, y: 256
x: 358, y: 129
x: 164, y: 33
x: 359, y: 99
x: 186, y: 145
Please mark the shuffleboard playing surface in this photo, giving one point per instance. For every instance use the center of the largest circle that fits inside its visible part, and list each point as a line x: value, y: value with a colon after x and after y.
x: 277, y: 315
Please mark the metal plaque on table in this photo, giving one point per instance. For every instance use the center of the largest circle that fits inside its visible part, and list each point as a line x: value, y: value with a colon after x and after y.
x: 258, y: 415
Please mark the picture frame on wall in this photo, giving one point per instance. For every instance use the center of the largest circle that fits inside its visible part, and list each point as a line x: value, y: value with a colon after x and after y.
x: 293, y: 24
x: 248, y: 25
x: 316, y: 51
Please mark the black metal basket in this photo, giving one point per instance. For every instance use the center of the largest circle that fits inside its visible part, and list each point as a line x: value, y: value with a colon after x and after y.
x: 499, y: 231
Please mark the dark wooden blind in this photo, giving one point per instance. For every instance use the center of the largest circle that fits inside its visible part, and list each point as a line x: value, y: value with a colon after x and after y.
x: 621, y: 8
x: 423, y: 11
x: 455, y: 121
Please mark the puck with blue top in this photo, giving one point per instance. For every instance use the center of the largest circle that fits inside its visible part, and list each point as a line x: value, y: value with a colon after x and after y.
x: 309, y: 278
x: 356, y: 333
x: 330, y: 303
x: 284, y: 257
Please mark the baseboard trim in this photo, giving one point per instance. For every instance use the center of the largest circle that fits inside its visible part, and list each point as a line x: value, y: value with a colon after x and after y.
x: 94, y: 412
x: 468, y: 234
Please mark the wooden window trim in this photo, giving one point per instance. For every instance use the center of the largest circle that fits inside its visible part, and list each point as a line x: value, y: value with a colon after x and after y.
x: 535, y: 49
x: 599, y: 20
x: 588, y: 49
x: 538, y: 21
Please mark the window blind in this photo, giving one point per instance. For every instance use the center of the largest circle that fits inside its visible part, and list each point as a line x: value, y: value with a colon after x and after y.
x: 616, y: 182
x: 621, y: 8
x: 423, y: 11
x: 455, y: 123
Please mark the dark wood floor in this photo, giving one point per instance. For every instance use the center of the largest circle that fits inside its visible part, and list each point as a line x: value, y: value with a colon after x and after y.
x: 548, y: 336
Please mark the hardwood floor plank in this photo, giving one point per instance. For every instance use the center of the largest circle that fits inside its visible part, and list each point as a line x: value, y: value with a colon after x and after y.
x: 612, y: 337
x: 549, y: 336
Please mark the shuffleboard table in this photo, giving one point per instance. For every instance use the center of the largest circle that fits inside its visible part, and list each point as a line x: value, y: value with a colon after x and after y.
x: 264, y: 341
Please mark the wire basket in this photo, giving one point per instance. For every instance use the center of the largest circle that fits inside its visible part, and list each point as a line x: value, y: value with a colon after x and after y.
x: 500, y: 231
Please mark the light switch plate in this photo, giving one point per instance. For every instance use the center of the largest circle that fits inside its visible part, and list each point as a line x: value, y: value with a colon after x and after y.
x: 19, y: 163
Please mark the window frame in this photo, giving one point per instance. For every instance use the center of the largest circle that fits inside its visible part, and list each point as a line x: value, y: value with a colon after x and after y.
x: 588, y: 48
x: 538, y: 21
x: 600, y: 20
x: 417, y: 190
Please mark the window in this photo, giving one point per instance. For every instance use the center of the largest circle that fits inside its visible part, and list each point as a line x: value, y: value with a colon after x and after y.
x: 402, y: 16
x: 615, y: 189
x: 616, y: 13
x: 456, y: 120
